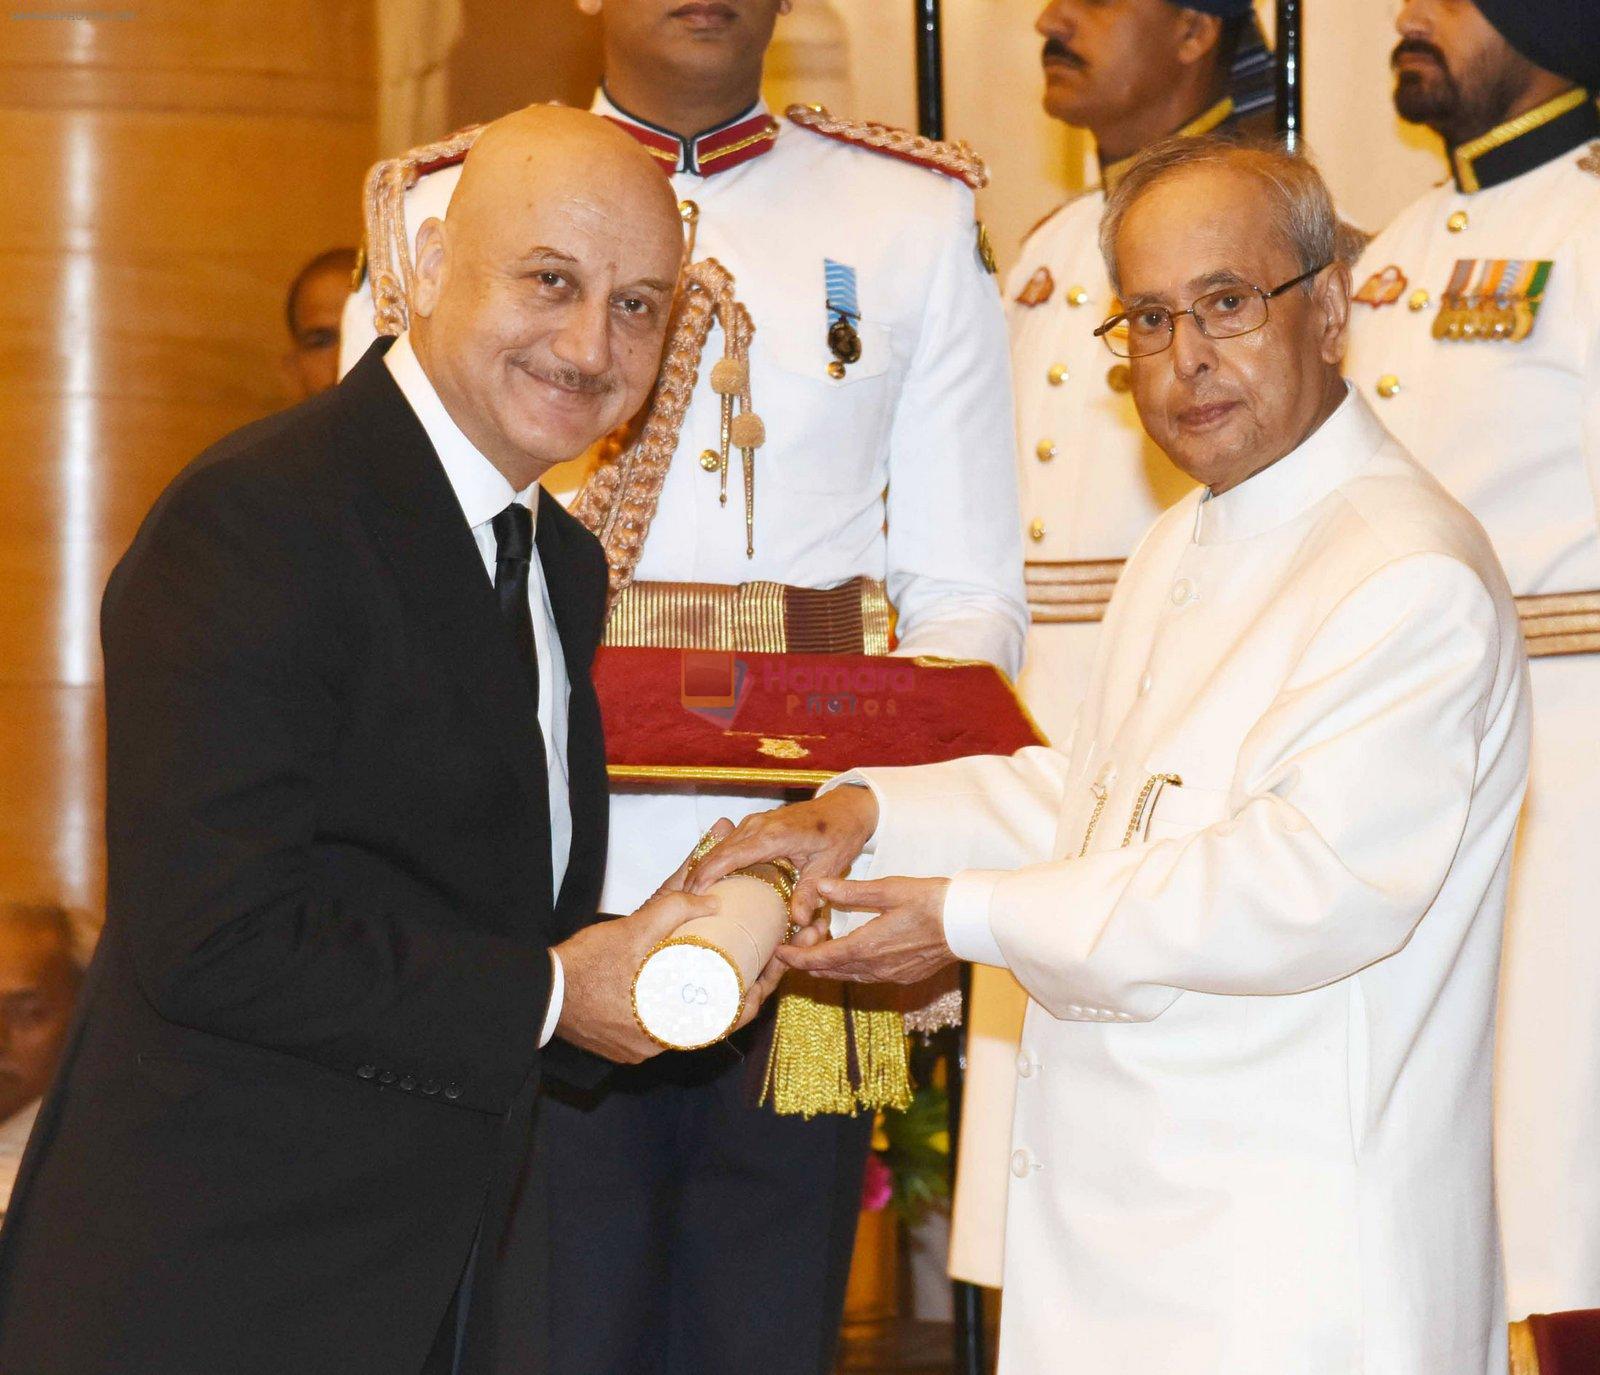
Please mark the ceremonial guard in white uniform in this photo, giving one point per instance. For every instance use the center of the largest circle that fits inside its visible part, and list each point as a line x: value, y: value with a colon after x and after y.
x: 1476, y: 336
x: 1090, y: 478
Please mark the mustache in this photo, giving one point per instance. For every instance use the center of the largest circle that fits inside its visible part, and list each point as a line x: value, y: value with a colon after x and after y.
x: 571, y: 379
x: 1056, y: 50
x: 1417, y: 47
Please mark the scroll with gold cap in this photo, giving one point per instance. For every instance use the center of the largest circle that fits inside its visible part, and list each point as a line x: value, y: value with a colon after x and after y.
x: 689, y: 991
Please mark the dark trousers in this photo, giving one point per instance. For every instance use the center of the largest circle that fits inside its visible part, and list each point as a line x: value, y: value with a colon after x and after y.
x: 684, y: 1232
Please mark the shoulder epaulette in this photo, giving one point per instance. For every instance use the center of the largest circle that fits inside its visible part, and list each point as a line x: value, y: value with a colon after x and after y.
x: 953, y: 159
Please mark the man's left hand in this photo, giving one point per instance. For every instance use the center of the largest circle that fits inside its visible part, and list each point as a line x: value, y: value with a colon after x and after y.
x: 904, y: 944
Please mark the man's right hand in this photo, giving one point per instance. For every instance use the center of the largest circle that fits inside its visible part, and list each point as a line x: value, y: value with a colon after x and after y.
x: 821, y: 837
x: 599, y: 963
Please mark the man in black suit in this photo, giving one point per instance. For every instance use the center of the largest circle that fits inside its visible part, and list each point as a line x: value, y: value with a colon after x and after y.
x: 357, y: 824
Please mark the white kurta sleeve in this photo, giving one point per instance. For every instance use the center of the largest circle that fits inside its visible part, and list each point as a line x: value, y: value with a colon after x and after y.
x: 1346, y: 811
x: 954, y: 539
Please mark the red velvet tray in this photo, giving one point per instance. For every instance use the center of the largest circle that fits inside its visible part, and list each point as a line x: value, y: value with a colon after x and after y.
x: 794, y: 720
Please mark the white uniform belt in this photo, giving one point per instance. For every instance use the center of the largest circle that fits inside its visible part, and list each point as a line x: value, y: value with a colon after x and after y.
x: 752, y: 617
x: 1560, y: 623
x: 1080, y: 590
x: 1076, y: 590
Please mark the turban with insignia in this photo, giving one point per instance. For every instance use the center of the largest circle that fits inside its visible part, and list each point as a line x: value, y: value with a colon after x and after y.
x: 1562, y: 36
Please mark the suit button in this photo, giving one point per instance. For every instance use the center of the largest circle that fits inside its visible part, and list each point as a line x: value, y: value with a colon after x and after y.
x: 452, y: 1090
x: 1077, y: 296
x: 366, y: 1071
x: 710, y: 460
x: 1457, y: 222
x: 1022, y: 1163
x: 1057, y: 374
x: 1388, y: 385
x: 1045, y: 449
x: 430, y: 1086
x: 1036, y: 531
x: 1025, y: 1064
x: 387, y: 1077
x: 408, y: 1083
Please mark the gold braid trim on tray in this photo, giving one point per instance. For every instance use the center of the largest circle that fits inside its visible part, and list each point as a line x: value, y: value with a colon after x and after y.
x: 956, y: 160
x: 389, y: 264
x: 619, y: 500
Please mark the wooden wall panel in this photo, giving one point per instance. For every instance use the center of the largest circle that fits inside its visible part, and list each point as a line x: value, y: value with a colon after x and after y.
x: 170, y: 166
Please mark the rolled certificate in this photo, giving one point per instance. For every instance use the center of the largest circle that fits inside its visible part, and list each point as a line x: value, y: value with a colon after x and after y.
x: 690, y: 989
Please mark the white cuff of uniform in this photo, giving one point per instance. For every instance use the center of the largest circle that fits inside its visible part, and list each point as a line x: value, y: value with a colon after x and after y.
x: 966, y: 917
x: 558, y: 993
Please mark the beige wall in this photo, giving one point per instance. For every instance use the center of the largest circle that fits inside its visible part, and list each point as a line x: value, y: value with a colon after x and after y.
x: 170, y: 165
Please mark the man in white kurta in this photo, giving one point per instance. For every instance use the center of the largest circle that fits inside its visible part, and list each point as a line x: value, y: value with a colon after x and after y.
x: 1256, y: 898
x: 1090, y: 478
x: 1507, y: 417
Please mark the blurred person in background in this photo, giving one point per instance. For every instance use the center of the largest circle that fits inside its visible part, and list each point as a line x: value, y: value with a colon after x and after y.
x: 313, y: 307
x: 41, y: 969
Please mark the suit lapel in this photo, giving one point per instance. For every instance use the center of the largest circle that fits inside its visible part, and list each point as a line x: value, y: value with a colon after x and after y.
x: 574, y: 572
x: 409, y: 506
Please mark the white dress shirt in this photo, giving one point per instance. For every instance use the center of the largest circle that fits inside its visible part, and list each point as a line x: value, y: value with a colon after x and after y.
x: 1256, y: 902
x: 483, y: 493
x: 14, y: 1133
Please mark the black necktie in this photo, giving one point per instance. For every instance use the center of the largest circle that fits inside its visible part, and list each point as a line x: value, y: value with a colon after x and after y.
x: 513, y: 540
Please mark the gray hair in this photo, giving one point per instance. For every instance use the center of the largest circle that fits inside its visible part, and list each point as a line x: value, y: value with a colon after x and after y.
x: 1297, y: 201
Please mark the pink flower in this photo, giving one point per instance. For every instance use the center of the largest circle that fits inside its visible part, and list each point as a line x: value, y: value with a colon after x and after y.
x: 877, y: 1185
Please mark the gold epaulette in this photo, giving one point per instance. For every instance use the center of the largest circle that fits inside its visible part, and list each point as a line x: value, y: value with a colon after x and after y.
x: 952, y: 159
x: 387, y: 250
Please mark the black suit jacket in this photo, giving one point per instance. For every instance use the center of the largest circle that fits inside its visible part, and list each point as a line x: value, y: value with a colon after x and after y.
x: 302, y: 1072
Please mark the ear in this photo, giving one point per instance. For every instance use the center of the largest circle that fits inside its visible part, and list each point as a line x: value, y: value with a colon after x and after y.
x: 428, y: 276
x: 1198, y: 34
x: 1333, y: 300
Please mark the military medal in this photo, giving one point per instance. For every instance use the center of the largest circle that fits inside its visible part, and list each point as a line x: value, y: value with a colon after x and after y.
x: 1038, y: 289
x: 1492, y: 300
x: 1382, y: 288
x: 844, y: 342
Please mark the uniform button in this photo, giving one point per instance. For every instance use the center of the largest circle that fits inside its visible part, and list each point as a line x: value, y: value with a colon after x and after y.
x: 1119, y: 378
x: 1388, y: 385
x: 1077, y: 296
x: 1057, y: 375
x: 1046, y: 449
x: 1025, y: 1064
x: 710, y: 460
x: 836, y: 370
x: 1457, y: 222
x: 452, y: 1090
x: 430, y: 1086
x: 1182, y: 591
x: 387, y: 1077
x: 1036, y: 531
x: 1144, y: 685
x: 366, y: 1071
x: 1419, y: 300
x: 688, y: 211
x: 1021, y: 1163
x: 408, y: 1083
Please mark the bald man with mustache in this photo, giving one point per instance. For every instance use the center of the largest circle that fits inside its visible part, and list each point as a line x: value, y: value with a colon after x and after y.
x: 357, y: 824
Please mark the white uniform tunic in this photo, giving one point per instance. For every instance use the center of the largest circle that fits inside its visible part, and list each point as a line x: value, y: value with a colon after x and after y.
x: 1513, y: 430
x: 902, y: 470
x: 1252, y: 1123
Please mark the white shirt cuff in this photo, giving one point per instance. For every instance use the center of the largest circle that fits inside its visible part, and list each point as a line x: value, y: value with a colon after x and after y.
x: 966, y: 917
x: 558, y: 993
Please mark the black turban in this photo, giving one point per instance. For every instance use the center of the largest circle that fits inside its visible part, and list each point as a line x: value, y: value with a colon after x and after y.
x: 1562, y: 36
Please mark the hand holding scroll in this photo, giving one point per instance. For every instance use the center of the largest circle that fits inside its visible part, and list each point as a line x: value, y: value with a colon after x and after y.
x: 821, y: 837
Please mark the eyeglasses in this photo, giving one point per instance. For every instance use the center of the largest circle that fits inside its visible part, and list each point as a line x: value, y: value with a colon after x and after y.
x: 1224, y: 314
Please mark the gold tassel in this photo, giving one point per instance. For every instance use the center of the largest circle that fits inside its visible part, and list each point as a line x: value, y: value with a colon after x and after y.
x: 809, y: 1069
